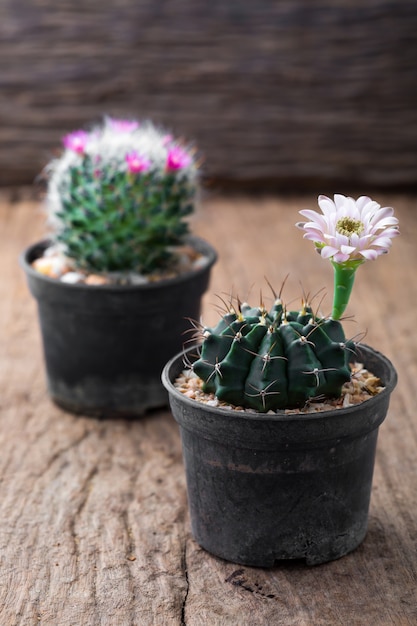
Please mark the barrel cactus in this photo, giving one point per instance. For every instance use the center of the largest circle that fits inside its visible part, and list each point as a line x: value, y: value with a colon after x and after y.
x: 280, y: 359
x: 276, y: 359
x: 119, y: 195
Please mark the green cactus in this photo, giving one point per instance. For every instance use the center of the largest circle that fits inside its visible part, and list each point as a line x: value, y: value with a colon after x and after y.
x: 118, y: 197
x: 273, y: 360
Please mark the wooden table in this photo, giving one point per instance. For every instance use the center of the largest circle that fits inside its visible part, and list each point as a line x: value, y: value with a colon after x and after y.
x: 94, y: 526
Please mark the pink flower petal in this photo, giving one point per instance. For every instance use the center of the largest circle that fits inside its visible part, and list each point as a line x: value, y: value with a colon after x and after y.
x: 177, y: 158
x: 362, y: 201
x: 137, y: 163
x: 328, y: 251
x: 347, y: 249
x: 326, y: 205
x: 382, y: 242
x: 369, y: 254
x: 166, y: 139
x: 331, y: 241
x: 381, y: 214
x: 339, y: 200
x: 314, y: 236
x: 339, y: 257
x: 315, y: 219
x: 123, y: 126
x: 387, y: 221
x: 76, y: 141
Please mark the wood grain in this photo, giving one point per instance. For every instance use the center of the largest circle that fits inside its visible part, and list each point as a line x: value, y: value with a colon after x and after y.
x: 94, y: 527
x: 282, y: 93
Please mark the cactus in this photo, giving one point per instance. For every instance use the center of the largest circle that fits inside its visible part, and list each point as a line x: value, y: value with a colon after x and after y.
x: 118, y: 197
x: 280, y: 359
x: 272, y: 360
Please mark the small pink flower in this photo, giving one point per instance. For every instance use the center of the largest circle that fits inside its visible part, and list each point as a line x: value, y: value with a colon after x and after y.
x: 123, y: 126
x: 177, y: 158
x: 350, y: 230
x: 76, y: 141
x: 137, y: 163
x: 166, y: 139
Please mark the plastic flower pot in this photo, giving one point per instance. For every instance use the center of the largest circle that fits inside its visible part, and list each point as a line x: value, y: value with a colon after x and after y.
x: 105, y: 346
x: 263, y: 487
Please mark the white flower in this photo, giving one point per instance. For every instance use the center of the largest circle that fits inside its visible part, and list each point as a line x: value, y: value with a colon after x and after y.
x: 350, y: 230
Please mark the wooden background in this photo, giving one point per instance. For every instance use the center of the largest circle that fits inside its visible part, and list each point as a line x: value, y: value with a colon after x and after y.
x: 279, y: 94
x: 94, y: 527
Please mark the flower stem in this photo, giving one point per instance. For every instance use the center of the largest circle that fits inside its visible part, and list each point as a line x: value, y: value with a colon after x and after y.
x: 344, y: 276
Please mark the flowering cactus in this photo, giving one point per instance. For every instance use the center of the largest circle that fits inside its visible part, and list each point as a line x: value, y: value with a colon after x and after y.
x: 279, y: 359
x: 118, y: 196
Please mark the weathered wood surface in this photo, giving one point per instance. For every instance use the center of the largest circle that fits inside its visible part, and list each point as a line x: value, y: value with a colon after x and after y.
x: 94, y: 528
x: 280, y: 92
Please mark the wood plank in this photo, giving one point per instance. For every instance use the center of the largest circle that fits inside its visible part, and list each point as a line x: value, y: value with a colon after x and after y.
x: 94, y: 527
x: 296, y: 90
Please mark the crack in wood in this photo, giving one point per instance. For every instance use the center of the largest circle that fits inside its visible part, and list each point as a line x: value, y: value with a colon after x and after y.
x: 59, y: 453
x: 187, y: 582
x: 85, y: 490
x: 131, y: 558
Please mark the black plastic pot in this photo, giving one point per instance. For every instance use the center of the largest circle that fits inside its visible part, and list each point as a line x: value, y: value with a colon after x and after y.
x: 262, y: 487
x: 105, y: 346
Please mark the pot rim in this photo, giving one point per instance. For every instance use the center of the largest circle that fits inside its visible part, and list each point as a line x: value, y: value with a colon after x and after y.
x: 280, y: 416
x: 29, y: 254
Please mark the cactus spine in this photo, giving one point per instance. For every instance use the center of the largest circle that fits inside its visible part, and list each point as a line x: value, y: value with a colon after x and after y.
x: 272, y: 360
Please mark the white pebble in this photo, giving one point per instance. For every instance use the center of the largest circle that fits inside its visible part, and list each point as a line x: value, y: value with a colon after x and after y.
x: 72, y: 278
x: 200, y: 262
x: 52, y: 251
x: 138, y: 279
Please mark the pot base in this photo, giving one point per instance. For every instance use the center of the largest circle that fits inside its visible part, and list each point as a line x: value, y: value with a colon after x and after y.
x: 122, y: 399
x: 313, y: 553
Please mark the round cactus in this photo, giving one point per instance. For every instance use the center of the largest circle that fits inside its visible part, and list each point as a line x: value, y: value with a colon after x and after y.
x: 118, y: 196
x: 271, y: 360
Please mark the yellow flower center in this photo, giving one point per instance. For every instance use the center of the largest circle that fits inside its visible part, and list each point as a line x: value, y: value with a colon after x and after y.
x: 348, y: 226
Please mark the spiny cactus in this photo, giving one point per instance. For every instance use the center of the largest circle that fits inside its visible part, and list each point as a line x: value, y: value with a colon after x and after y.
x: 277, y: 359
x: 118, y: 196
